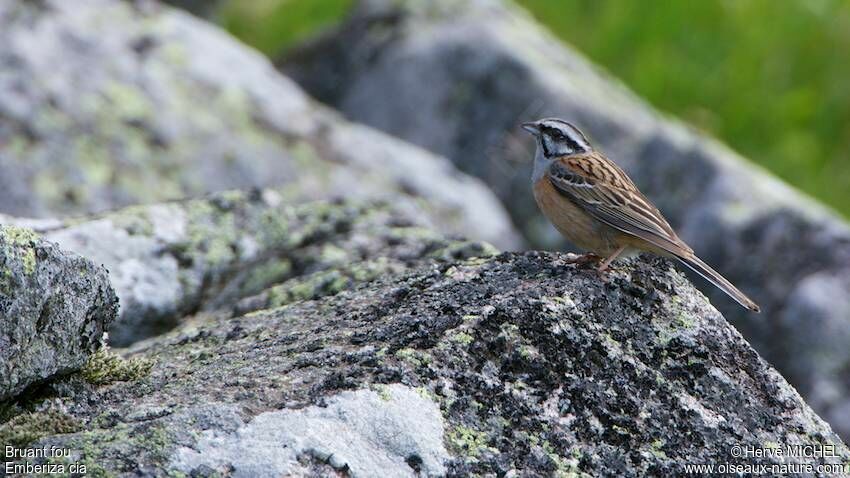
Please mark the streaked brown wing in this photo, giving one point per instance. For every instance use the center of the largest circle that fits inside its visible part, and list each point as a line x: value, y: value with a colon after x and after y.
x: 606, y: 193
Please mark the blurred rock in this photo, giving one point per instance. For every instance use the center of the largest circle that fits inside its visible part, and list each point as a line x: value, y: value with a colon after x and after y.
x: 458, y: 78
x: 54, y: 309
x: 170, y: 260
x: 201, y: 8
x: 513, y: 365
x: 105, y: 104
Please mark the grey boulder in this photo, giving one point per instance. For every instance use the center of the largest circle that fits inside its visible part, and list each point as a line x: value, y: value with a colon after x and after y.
x: 242, y: 251
x: 105, y: 104
x: 508, y: 365
x: 54, y: 309
x: 459, y: 77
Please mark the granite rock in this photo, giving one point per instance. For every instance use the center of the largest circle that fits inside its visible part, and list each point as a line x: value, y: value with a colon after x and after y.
x: 105, y: 104
x: 521, y: 364
x: 54, y: 309
x: 458, y: 77
x: 243, y: 251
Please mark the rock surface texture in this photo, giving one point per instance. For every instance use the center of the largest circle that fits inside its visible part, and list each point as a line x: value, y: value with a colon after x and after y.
x: 167, y: 261
x: 109, y: 103
x: 517, y: 364
x: 54, y: 308
x: 457, y: 77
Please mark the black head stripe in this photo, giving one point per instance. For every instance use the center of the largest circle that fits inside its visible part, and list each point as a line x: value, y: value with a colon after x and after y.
x: 547, y: 147
x: 560, y: 138
x: 573, y: 144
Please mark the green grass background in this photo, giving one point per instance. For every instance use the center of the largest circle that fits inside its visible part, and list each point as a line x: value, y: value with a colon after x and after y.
x: 769, y: 77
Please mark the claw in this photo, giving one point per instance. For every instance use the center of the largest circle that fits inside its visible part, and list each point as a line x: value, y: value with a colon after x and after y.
x: 604, y: 266
x: 602, y: 274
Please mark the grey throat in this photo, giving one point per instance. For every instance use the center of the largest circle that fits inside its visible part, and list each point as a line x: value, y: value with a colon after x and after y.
x: 541, y: 164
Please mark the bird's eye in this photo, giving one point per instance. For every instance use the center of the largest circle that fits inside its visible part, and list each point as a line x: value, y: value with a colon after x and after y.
x: 554, y: 133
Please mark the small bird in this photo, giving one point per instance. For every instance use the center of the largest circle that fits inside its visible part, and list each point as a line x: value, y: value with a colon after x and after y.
x: 596, y: 206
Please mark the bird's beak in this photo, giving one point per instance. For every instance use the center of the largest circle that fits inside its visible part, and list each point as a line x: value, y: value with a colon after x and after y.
x: 531, y: 128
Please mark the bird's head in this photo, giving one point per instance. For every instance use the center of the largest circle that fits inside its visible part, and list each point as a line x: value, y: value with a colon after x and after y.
x: 558, y: 138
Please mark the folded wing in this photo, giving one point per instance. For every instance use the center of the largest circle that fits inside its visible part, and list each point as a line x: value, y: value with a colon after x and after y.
x: 603, y: 190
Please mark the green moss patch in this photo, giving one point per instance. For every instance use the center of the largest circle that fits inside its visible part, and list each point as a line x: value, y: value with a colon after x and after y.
x: 105, y: 367
x: 26, y: 428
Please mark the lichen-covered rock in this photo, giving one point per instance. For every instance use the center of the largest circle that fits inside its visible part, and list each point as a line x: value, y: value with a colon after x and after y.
x: 106, y: 103
x: 391, y: 431
x: 458, y: 77
x: 170, y: 260
x: 54, y: 309
x: 513, y: 365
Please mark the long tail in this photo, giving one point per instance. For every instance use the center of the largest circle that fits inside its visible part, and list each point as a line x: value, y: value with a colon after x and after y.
x: 718, y: 280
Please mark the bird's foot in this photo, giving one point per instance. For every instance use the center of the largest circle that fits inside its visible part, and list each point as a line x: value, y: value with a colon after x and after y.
x: 584, y: 260
x: 602, y: 273
x: 603, y: 267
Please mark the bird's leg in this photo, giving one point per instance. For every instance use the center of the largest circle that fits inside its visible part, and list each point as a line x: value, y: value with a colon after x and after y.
x: 607, y: 262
